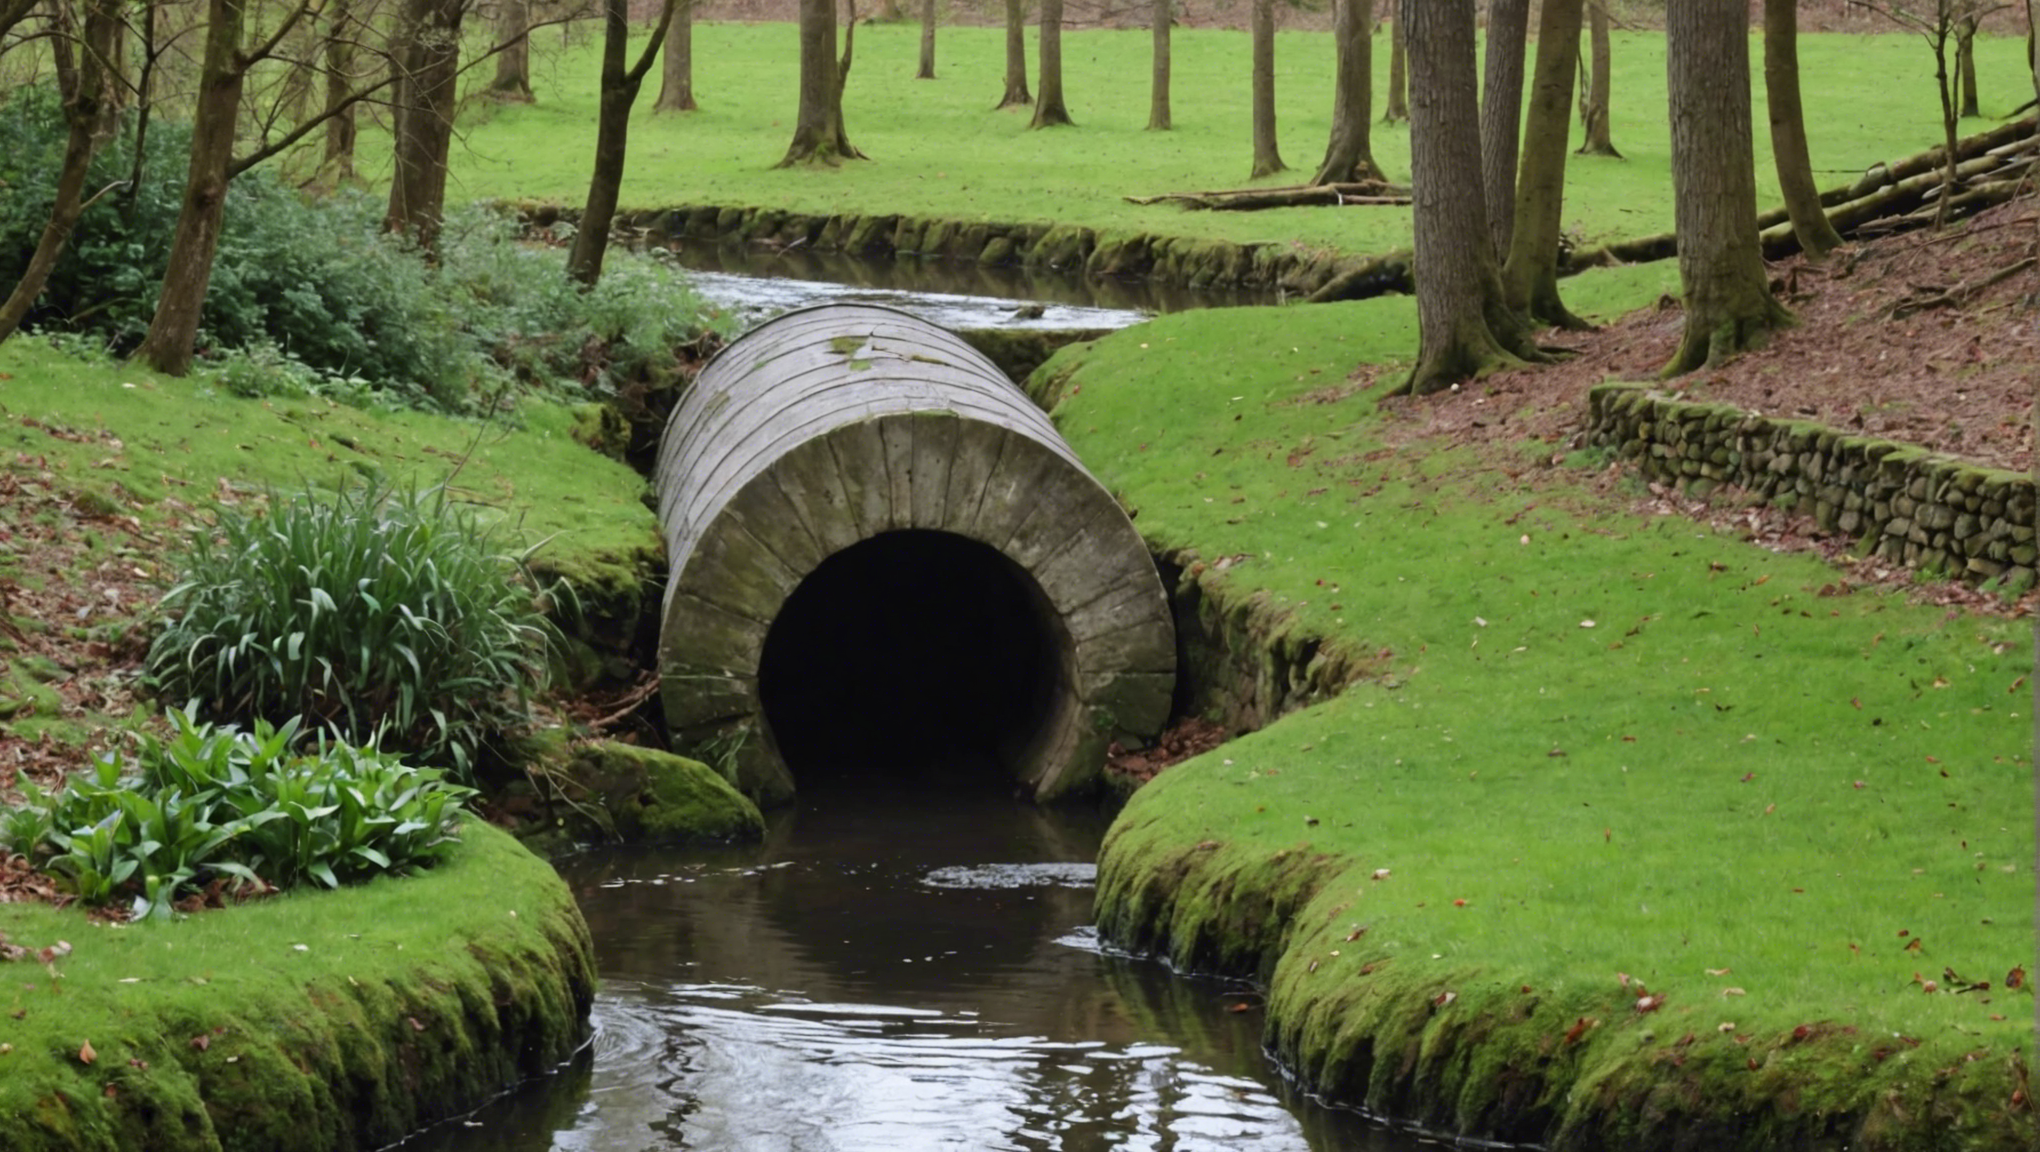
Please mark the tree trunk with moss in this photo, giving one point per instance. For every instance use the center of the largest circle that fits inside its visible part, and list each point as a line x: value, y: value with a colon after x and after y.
x: 1016, y: 94
x: 676, y: 69
x: 1349, y: 154
x: 1159, y: 17
x: 818, y: 133
x: 619, y: 90
x: 1501, y: 113
x: 1530, y: 274
x: 1267, y: 157
x: 512, y: 83
x: 1817, y: 236
x: 1459, y: 290
x: 925, y: 70
x: 1729, y: 307
x: 86, y: 84
x: 429, y: 63
x: 1594, y: 96
x: 1397, y: 106
x: 1049, y: 109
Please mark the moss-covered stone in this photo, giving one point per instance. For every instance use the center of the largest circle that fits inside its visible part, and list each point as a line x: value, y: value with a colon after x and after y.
x: 650, y: 796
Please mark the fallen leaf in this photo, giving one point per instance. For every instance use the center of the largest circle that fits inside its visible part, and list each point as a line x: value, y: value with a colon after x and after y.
x: 85, y: 1053
x: 1717, y: 971
x: 201, y: 1041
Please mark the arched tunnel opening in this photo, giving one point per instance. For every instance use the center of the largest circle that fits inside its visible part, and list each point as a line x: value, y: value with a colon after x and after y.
x: 913, y: 654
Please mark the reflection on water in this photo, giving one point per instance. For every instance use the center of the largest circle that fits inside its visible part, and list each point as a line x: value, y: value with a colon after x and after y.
x: 894, y: 977
x: 757, y: 282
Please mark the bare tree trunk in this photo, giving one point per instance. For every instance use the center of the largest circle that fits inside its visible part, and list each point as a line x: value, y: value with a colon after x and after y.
x: 1501, y: 112
x: 676, y: 71
x: 1729, y: 307
x: 341, y: 124
x: 173, y: 331
x: 1817, y: 237
x: 1594, y: 98
x: 1159, y: 16
x: 1267, y: 157
x: 429, y: 59
x: 512, y: 84
x: 13, y: 12
x: 1349, y: 154
x: 1049, y: 110
x: 818, y: 132
x: 1965, y: 55
x: 1530, y: 275
x: 926, y: 71
x: 1398, y: 84
x: 1459, y: 290
x: 1016, y: 94
x: 612, y: 132
x: 88, y: 87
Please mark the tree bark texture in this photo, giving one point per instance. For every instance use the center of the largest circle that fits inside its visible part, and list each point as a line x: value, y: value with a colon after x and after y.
x: 1501, y: 112
x: 1729, y: 307
x: 1160, y: 14
x: 620, y: 86
x: 13, y: 12
x: 173, y: 331
x: 1398, y: 102
x: 1530, y: 274
x: 1458, y: 283
x: 341, y: 124
x: 1016, y: 94
x: 1965, y: 56
x: 1594, y: 97
x: 676, y: 67
x: 512, y: 83
x: 1049, y: 109
x: 1267, y: 157
x: 926, y: 69
x: 87, y: 89
x: 428, y: 60
x: 818, y: 132
x: 1349, y: 154
x: 1817, y: 236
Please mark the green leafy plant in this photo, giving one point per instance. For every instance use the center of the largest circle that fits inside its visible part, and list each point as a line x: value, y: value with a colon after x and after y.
x: 370, y: 613
x: 213, y: 803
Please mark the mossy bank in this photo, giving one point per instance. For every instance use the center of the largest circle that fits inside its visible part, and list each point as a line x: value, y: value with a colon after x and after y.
x: 319, y: 1020
x: 1627, y: 833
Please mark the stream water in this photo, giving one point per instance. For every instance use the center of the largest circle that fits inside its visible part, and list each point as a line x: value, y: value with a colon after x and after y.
x: 757, y: 282
x: 895, y: 971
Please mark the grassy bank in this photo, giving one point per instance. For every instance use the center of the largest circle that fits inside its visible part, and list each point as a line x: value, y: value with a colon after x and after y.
x: 315, y: 1020
x: 939, y: 151
x: 1637, y: 830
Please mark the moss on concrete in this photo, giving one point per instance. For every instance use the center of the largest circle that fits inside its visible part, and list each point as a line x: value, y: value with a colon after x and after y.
x: 604, y: 791
x: 318, y: 1020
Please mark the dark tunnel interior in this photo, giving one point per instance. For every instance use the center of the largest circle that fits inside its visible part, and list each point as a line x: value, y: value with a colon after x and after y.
x: 911, y: 655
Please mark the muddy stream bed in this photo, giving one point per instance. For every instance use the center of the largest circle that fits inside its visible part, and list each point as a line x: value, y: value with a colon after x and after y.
x: 895, y: 970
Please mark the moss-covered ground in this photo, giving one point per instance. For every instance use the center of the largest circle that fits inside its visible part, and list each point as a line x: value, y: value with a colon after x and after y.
x: 1636, y: 836
x: 316, y: 1020
x: 939, y: 151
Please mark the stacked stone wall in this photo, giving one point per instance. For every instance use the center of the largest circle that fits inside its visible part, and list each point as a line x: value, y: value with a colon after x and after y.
x: 1932, y: 513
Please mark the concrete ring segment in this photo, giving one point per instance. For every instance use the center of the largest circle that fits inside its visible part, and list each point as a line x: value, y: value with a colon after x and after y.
x: 862, y: 515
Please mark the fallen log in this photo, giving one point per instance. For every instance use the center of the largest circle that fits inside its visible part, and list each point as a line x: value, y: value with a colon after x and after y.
x: 1378, y: 277
x: 1299, y: 196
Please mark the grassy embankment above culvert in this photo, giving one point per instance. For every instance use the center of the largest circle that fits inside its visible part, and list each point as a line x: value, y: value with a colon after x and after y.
x: 1607, y: 757
x: 114, y: 442
x: 938, y: 150
x: 315, y: 1020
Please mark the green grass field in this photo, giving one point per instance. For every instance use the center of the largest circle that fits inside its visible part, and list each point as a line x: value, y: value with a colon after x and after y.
x: 938, y: 150
x: 1599, y: 742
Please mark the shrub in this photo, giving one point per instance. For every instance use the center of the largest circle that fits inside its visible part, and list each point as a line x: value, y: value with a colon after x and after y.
x: 368, y: 612
x: 218, y: 804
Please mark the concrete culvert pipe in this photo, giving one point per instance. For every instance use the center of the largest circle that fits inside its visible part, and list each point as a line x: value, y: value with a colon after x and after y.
x: 883, y: 556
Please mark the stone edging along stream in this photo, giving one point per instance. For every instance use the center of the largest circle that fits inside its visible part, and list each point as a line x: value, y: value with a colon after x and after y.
x: 1068, y: 249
